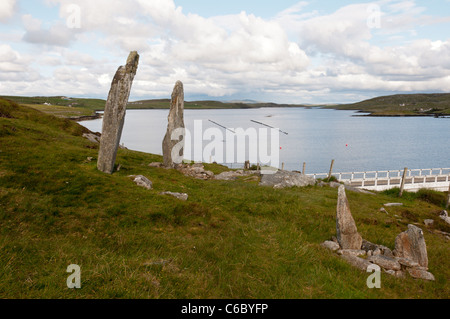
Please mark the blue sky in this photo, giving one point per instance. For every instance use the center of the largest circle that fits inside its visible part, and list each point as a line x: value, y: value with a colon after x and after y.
x: 283, y: 51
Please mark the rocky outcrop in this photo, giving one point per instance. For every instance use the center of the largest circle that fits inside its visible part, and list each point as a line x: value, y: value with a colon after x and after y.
x: 347, y: 233
x: 173, y: 142
x: 444, y: 216
x: 114, y: 117
x: 283, y: 179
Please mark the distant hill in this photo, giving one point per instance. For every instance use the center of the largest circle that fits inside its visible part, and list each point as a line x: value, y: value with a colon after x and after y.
x: 403, y: 104
x: 394, y: 105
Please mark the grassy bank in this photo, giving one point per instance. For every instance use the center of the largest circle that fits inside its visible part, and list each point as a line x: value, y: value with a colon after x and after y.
x: 403, y: 105
x: 231, y: 239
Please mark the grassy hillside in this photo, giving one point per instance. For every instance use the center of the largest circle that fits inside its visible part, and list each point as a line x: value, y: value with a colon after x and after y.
x: 403, y: 104
x: 231, y: 239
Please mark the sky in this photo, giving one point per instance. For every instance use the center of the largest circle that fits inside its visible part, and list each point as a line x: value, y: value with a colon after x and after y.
x: 284, y: 51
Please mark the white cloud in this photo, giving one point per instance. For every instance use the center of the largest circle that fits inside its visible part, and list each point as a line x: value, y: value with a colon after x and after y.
x: 7, y: 9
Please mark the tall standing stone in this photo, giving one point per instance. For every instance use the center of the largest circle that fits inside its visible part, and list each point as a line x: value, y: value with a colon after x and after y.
x: 173, y: 143
x: 115, y: 109
x: 411, y: 245
x: 347, y: 233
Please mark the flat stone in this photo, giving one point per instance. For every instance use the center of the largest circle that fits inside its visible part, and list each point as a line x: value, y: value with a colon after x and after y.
x: 347, y: 233
x: 406, y: 262
x: 352, y: 252
x: 385, y: 262
x: 180, y: 196
x: 331, y: 245
x: 357, y: 262
x: 418, y: 273
x: 156, y: 164
x: 142, y: 181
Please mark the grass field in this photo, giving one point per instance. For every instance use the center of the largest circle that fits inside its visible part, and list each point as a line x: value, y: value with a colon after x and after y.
x: 231, y: 239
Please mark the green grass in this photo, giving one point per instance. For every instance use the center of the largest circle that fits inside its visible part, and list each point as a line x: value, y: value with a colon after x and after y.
x: 231, y: 239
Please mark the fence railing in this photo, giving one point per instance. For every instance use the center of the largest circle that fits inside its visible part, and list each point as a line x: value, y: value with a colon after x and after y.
x: 435, y: 178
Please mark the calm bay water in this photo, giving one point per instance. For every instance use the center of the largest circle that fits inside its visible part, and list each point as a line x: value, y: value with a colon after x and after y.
x: 315, y: 136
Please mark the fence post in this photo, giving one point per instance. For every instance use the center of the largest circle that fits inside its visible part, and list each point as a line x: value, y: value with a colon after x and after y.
x: 448, y: 198
x: 402, y: 187
x: 331, y: 170
x: 304, y: 168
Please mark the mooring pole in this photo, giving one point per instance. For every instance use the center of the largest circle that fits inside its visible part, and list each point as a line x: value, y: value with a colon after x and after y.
x: 402, y: 187
x: 331, y: 170
x: 282, y: 166
x: 304, y: 168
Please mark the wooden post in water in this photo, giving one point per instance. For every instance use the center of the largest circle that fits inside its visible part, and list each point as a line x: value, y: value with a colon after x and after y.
x: 402, y: 187
x: 331, y: 170
x: 304, y: 168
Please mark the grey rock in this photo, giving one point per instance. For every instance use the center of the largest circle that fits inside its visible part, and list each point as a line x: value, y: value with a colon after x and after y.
x: 367, y: 245
x: 377, y: 252
x: 352, y: 252
x: 142, y: 181
x: 407, y: 263
x: 331, y: 245
x: 357, y: 262
x: 174, y: 155
x: 397, y: 274
x: 347, y: 233
x: 444, y: 216
x: 411, y: 245
x: 180, y: 196
x: 156, y: 164
x: 283, y: 179
x: 385, y: 262
x: 428, y: 222
x: 114, y: 117
x: 92, y: 137
x: 419, y: 273
x: 382, y: 210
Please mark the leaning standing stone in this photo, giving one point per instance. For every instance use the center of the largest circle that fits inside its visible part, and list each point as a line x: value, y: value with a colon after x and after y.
x: 347, y: 233
x: 173, y: 147
x: 115, y: 110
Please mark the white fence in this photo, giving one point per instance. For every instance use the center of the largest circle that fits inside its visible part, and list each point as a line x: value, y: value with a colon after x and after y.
x: 432, y: 178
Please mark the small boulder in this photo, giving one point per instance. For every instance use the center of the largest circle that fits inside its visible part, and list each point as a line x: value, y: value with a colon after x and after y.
x: 428, y: 222
x: 420, y: 273
x: 142, y: 181
x: 284, y: 179
x: 331, y: 245
x: 444, y: 216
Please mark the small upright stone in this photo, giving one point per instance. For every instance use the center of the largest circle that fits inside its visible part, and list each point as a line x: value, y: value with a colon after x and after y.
x: 411, y: 245
x: 347, y: 233
x: 114, y: 117
x: 173, y: 147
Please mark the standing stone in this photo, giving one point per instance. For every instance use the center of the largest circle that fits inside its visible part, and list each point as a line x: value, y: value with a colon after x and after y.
x: 347, y: 233
x: 174, y: 155
x: 411, y: 245
x: 115, y: 110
